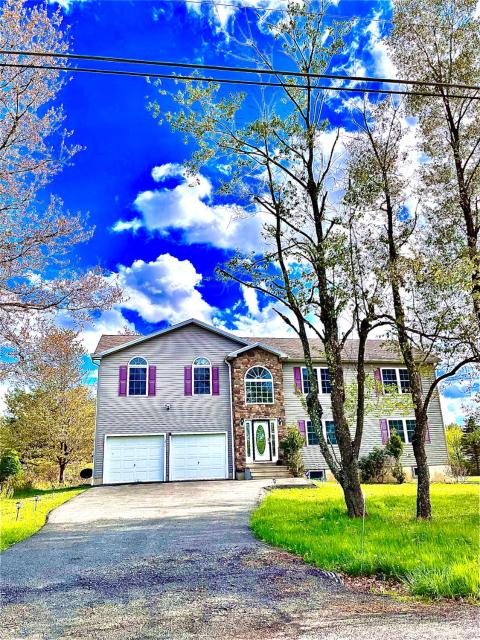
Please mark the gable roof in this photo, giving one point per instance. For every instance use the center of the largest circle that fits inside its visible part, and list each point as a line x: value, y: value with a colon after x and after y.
x: 109, y: 343
x: 260, y: 345
x: 286, y: 348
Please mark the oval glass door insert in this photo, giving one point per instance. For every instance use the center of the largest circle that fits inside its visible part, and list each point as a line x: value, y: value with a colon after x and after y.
x: 260, y: 439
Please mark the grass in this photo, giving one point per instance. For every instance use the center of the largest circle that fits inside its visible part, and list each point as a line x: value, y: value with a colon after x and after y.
x: 29, y: 520
x: 437, y: 558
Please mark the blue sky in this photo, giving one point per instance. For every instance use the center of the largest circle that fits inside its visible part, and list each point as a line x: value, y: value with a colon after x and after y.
x: 162, y: 233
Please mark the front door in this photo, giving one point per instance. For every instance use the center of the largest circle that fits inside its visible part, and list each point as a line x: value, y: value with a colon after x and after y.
x: 261, y: 441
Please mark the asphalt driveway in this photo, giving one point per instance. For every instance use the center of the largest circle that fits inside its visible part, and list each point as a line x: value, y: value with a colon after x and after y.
x: 175, y: 561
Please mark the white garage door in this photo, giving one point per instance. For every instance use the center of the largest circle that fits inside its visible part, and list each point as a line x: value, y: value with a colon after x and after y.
x: 134, y: 459
x: 198, y: 457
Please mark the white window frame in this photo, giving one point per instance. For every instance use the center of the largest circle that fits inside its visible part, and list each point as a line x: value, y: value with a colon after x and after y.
x: 397, y: 375
x: 404, y: 426
x: 324, y: 431
x: 201, y: 366
x: 256, y: 366
x: 319, y: 379
x: 137, y: 366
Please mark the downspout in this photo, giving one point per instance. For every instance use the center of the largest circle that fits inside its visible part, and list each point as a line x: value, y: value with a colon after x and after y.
x: 231, y: 418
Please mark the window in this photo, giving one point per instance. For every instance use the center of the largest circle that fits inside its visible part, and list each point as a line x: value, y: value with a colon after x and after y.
x: 328, y: 428
x: 306, y: 381
x: 410, y: 424
x: 404, y: 428
x: 330, y: 432
x: 317, y: 475
x: 396, y: 381
x: 312, y: 436
x: 137, y: 377
x: 202, y: 377
x: 258, y: 386
x: 325, y: 384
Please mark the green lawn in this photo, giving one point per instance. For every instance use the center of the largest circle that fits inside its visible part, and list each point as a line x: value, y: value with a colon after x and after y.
x: 434, y: 559
x: 29, y: 521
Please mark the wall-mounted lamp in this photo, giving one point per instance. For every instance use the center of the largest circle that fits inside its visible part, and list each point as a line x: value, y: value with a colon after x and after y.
x: 242, y: 422
x: 166, y: 406
x: 280, y: 422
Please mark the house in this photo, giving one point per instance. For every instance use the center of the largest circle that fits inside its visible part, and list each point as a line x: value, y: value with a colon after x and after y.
x: 193, y: 402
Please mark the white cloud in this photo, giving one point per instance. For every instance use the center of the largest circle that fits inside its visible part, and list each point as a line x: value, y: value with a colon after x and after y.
x: 188, y: 207
x: 127, y: 225
x: 383, y: 63
x: 165, y: 289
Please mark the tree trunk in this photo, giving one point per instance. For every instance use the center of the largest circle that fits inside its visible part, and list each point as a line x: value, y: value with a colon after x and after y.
x: 424, y: 505
x: 352, y: 490
x: 61, y: 474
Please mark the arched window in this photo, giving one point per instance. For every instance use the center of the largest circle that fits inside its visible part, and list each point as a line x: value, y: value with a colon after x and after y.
x: 258, y: 386
x: 202, y: 377
x: 137, y: 377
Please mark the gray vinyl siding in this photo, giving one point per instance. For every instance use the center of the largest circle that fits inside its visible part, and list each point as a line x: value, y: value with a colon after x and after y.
x: 313, y: 459
x: 138, y: 415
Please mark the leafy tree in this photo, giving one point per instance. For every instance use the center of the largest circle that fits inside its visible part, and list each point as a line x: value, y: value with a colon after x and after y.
x: 9, y: 466
x: 291, y: 446
x: 470, y: 444
x: 37, y: 234
x: 439, y: 41
x: 54, y: 419
x: 283, y: 171
x: 456, y: 457
x: 425, y: 312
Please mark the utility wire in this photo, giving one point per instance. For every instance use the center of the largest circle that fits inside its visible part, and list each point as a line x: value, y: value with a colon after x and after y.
x: 258, y: 83
x: 229, y: 69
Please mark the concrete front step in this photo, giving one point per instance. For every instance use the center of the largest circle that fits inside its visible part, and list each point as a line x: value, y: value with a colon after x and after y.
x: 261, y: 471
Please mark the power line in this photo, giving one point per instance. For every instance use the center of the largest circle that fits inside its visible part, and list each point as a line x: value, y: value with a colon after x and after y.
x: 258, y: 83
x: 210, y: 67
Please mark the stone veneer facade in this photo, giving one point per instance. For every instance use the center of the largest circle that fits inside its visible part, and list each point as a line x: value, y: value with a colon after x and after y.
x: 241, y: 410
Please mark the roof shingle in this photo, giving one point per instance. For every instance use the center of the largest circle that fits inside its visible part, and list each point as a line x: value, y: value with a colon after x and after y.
x: 376, y: 350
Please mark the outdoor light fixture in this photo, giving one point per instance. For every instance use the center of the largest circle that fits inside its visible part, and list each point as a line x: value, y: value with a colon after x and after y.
x: 242, y: 421
x: 166, y: 406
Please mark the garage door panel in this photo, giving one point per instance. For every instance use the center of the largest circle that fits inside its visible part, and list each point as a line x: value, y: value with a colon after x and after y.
x: 134, y: 459
x: 198, y: 457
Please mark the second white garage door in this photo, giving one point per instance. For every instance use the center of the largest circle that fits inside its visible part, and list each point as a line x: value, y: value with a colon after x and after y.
x: 199, y: 456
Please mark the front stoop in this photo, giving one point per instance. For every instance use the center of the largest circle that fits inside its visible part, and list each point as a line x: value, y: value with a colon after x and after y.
x: 267, y: 471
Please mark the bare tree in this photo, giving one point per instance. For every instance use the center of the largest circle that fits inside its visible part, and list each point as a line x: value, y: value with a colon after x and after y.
x: 37, y: 277
x: 428, y: 309
x: 439, y: 41
x: 284, y: 171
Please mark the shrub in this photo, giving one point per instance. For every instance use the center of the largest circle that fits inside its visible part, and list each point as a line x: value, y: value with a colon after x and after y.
x: 291, y: 446
x: 373, y: 466
x: 394, y: 449
x: 9, y: 467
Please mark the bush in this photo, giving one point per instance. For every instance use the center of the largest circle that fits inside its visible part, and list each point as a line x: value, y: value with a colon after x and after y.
x: 10, y: 467
x: 291, y: 446
x: 373, y: 466
x: 394, y: 449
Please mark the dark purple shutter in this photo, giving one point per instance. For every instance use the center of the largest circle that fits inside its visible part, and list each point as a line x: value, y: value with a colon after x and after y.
x: 384, y: 431
x: 297, y: 379
x: 301, y: 427
x: 187, y: 381
x: 377, y: 374
x: 427, y: 435
x: 122, y: 381
x: 215, y: 381
x: 152, y: 380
